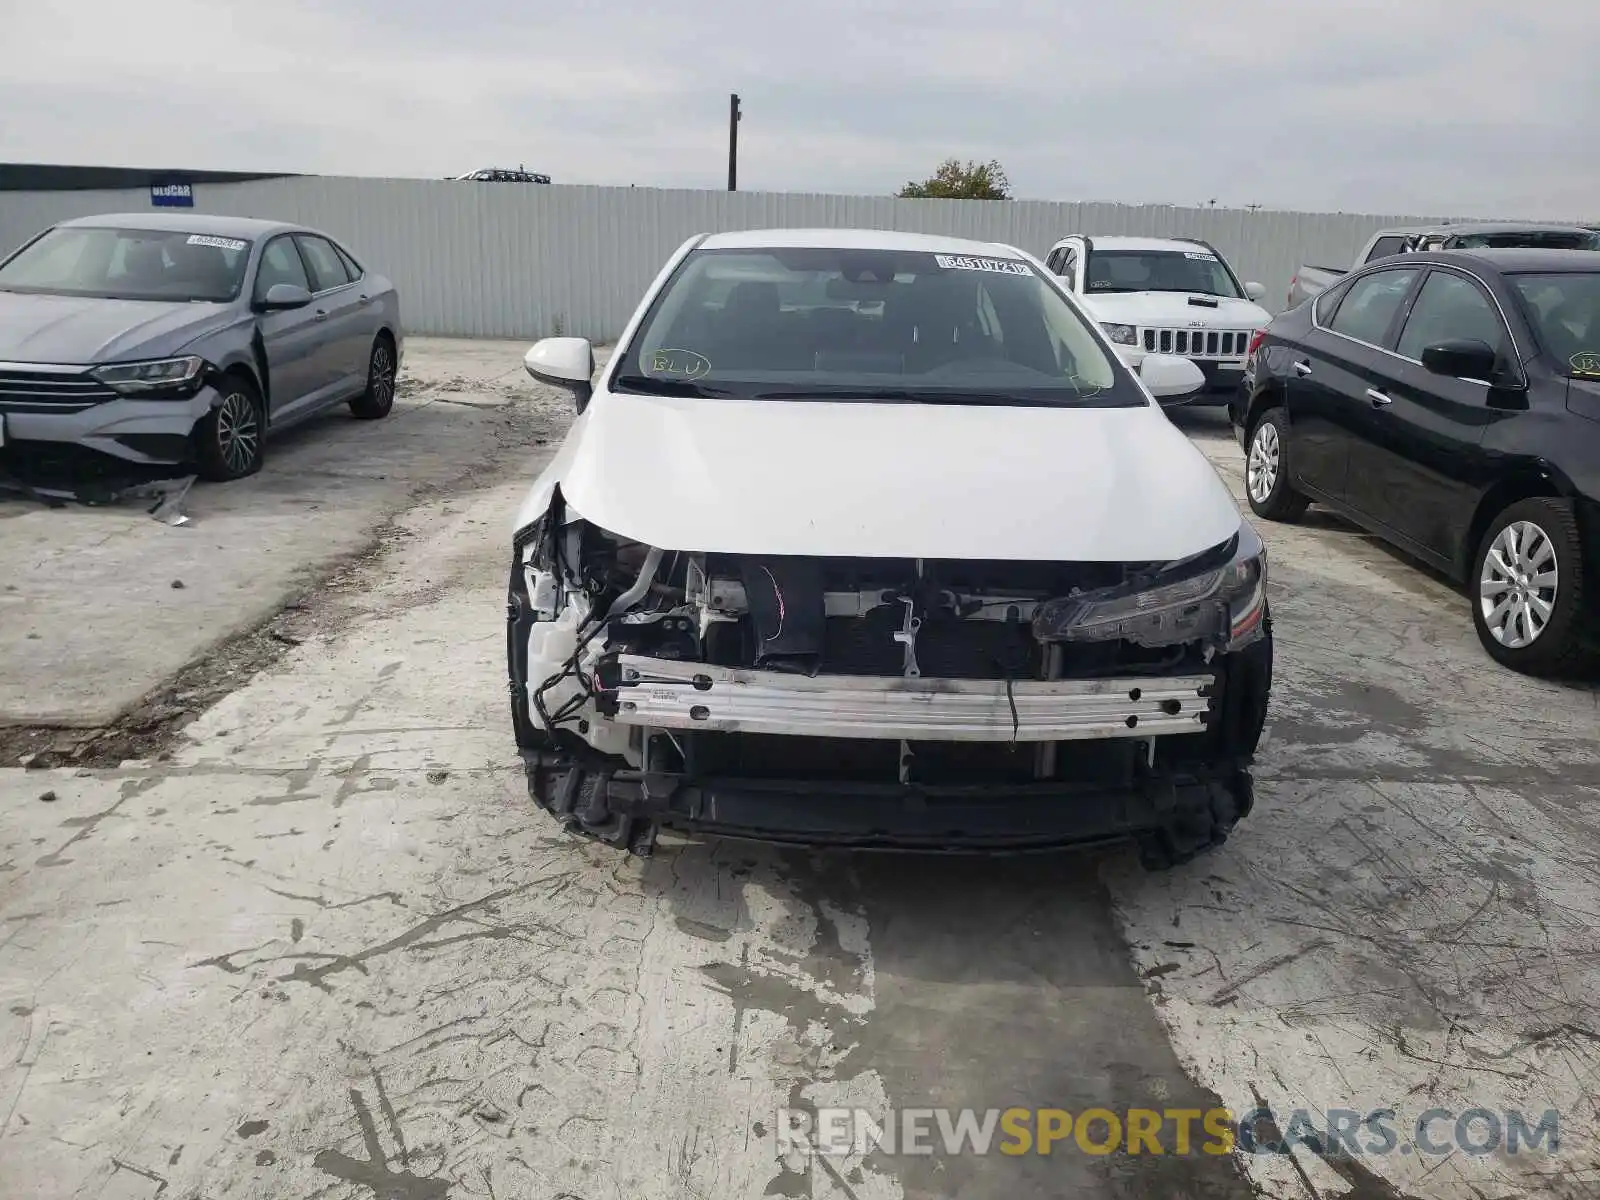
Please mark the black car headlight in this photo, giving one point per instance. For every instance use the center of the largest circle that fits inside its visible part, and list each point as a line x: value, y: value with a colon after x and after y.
x: 1220, y: 597
x: 155, y: 379
x: 1122, y: 335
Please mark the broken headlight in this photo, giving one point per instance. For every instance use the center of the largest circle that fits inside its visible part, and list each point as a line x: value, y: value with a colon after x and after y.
x: 1222, y: 601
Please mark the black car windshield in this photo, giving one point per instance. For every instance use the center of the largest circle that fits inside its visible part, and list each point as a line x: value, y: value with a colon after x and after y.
x: 129, y: 264
x: 1564, y: 310
x: 817, y: 323
x: 1196, y: 271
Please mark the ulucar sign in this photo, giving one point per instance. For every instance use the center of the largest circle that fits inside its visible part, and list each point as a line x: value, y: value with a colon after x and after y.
x: 172, y: 195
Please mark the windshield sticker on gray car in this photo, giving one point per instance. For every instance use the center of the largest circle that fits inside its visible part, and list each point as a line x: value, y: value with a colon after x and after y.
x: 685, y: 364
x: 221, y: 243
x: 1586, y: 363
x: 1202, y: 257
x: 1002, y: 266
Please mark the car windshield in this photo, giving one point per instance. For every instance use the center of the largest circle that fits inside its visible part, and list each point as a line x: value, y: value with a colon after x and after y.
x: 811, y: 323
x: 1564, y: 310
x: 1197, y: 271
x: 129, y: 264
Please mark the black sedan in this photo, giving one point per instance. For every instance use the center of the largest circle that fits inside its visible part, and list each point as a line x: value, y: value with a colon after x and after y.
x: 1450, y: 403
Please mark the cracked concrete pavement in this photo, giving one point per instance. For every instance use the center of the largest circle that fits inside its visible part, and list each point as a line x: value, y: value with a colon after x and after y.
x: 326, y: 948
x: 138, y: 599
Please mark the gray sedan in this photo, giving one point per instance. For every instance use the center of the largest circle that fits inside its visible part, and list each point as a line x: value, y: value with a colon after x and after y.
x: 180, y: 338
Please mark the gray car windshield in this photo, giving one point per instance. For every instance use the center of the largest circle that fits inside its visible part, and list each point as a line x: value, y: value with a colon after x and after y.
x: 1564, y: 310
x: 129, y: 264
x: 1197, y: 271
x: 809, y: 323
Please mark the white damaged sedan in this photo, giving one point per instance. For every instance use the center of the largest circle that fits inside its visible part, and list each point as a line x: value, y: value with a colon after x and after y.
x: 868, y: 539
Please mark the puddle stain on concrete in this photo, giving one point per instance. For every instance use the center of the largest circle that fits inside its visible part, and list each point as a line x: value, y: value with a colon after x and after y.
x: 374, y: 1172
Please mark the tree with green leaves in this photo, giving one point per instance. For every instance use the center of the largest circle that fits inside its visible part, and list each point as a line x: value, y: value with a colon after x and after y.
x: 952, y: 181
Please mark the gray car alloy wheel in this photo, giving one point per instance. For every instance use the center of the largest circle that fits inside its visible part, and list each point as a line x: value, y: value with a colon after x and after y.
x: 1261, y: 472
x: 238, y: 432
x: 382, y: 376
x: 1517, y: 584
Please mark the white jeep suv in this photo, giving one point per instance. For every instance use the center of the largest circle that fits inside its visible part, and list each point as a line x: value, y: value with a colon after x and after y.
x: 1166, y: 296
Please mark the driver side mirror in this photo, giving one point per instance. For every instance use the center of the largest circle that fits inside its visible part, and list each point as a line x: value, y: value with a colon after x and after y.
x: 281, y: 297
x: 1254, y: 290
x: 1462, y: 358
x: 564, y: 362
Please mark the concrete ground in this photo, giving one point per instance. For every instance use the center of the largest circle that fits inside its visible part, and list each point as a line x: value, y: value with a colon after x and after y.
x: 321, y: 946
x: 102, y: 605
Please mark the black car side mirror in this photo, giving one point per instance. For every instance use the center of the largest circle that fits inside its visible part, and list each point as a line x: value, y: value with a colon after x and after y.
x: 283, y: 296
x: 1463, y: 358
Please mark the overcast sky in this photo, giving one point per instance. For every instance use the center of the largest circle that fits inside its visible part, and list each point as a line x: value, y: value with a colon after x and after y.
x: 1425, y: 107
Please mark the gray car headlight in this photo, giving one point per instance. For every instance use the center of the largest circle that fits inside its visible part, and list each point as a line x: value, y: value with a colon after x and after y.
x: 1122, y: 335
x: 175, y: 377
x: 1222, y: 601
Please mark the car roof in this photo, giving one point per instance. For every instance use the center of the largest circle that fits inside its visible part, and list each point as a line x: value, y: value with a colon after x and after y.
x: 850, y: 239
x: 1510, y: 260
x: 186, y: 222
x: 1139, y: 243
x: 1487, y: 227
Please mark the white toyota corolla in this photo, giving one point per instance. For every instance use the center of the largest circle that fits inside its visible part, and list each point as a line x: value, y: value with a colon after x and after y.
x: 869, y: 539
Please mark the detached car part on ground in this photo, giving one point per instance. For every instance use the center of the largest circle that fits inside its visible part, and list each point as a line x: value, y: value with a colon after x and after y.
x: 868, y: 539
x: 185, y: 339
x: 1449, y: 402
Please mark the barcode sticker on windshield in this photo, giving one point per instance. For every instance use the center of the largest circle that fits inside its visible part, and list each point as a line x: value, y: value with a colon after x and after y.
x: 221, y: 243
x: 1003, y: 266
x: 1201, y: 257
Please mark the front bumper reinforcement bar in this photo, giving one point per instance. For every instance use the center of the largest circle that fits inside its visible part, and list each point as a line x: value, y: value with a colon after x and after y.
x: 663, y: 694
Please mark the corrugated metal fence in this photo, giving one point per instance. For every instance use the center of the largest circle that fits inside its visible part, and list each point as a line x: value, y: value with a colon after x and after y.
x: 522, y: 260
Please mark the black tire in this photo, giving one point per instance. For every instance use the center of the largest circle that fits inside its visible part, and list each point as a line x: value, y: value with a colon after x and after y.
x: 230, y: 440
x: 1278, y: 500
x: 378, y: 400
x: 1538, y: 572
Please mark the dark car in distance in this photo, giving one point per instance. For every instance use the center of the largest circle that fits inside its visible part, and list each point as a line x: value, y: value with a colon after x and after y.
x: 1449, y: 402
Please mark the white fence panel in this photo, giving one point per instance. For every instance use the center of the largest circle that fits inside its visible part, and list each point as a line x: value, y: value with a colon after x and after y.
x: 521, y: 260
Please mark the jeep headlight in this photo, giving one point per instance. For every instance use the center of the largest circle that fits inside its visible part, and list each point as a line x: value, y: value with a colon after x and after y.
x: 1122, y: 335
x: 1223, y: 601
x: 156, y: 378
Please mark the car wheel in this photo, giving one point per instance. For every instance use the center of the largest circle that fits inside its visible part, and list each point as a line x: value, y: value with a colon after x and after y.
x: 378, y: 399
x: 1529, y: 589
x: 230, y: 440
x: 1266, y: 470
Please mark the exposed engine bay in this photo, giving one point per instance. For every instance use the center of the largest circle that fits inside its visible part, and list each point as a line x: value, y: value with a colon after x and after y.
x: 646, y: 682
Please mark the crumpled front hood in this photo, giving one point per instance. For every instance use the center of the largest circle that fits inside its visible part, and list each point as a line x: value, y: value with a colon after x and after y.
x: 890, y: 480
x: 1172, y: 309
x: 76, y: 329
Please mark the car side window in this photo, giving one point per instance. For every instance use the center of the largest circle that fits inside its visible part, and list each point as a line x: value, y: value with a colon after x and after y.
x: 1369, y: 307
x: 1385, y: 247
x: 280, y: 263
x: 351, y: 266
x: 1069, y: 269
x: 1450, y: 306
x: 327, y: 268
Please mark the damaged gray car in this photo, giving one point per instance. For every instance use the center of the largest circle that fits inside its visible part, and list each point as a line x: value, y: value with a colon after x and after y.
x: 182, y: 339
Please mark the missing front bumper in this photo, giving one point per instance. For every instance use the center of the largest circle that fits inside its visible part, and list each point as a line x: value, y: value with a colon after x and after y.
x: 662, y: 694
x: 1173, y: 815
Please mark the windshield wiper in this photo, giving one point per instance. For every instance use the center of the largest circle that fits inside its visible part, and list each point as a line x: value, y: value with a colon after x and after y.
x: 669, y: 387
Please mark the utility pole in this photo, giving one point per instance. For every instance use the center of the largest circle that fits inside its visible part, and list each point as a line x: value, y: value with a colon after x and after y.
x: 733, y: 142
